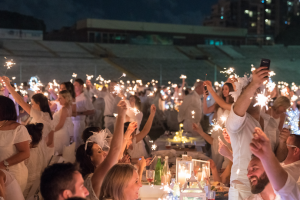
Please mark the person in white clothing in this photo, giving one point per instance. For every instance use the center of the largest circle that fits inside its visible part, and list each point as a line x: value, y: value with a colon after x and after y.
x: 261, y: 187
x: 40, y: 113
x: 36, y: 156
x: 64, y: 128
x: 111, y: 100
x: 14, y: 142
x: 84, y: 107
x: 242, y: 120
x: 292, y: 162
x: 191, y: 102
x: 11, y: 188
x: 282, y: 182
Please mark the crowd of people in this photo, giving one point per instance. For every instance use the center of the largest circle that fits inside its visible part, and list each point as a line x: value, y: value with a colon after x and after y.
x: 254, y: 151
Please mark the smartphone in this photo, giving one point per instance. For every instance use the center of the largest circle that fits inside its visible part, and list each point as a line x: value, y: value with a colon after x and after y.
x: 206, y: 91
x: 265, y: 63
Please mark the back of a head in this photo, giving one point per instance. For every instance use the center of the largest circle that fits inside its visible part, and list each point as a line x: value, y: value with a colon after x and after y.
x: 7, y: 109
x: 88, y: 132
x: 281, y: 101
x: 35, y: 131
x: 57, y: 178
x: 115, y: 181
x: 83, y: 157
x: 43, y: 103
x: 296, y: 140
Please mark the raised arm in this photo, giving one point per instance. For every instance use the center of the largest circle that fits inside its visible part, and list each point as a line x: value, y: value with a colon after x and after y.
x: 113, y: 154
x: 19, y: 99
x: 207, y: 110
x: 261, y: 147
x: 94, y: 90
x: 217, y: 98
x: 148, y: 124
x: 132, y: 126
x: 243, y: 102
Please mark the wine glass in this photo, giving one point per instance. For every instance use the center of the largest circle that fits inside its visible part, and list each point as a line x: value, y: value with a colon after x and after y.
x: 150, y: 176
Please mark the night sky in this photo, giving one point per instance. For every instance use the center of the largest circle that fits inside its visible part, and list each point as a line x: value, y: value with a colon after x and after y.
x: 59, y: 13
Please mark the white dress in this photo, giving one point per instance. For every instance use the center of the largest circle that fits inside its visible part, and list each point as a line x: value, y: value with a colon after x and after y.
x: 12, y: 188
x: 44, y: 118
x: 138, y: 150
x: 8, y: 139
x: 34, y: 169
x: 220, y: 161
x: 89, y: 187
x: 62, y: 136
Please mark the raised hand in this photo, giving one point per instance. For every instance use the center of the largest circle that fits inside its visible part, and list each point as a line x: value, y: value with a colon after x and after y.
x: 260, y: 145
x: 284, y: 134
x: 122, y: 108
x: 5, y: 80
x: 152, y: 109
x: 197, y: 128
x: 224, y: 150
x: 226, y: 135
x: 132, y: 126
x: 258, y: 76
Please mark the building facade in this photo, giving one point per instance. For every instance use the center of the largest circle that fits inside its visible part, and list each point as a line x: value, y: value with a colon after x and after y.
x: 264, y: 19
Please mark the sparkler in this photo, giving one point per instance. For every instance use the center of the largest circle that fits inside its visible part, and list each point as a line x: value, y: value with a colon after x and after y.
x: 215, y: 126
x: 134, y: 110
x: 153, y: 147
x: 223, y: 119
x: 182, y: 76
x: 292, y: 121
x: 124, y: 75
x: 8, y: 64
x: 13, y: 78
x: 74, y: 75
x: 228, y: 71
x: 252, y: 68
x: 262, y: 100
x: 193, y: 114
x: 89, y: 77
x: 272, y: 73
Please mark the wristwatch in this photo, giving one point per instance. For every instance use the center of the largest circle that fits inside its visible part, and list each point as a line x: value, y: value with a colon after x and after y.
x: 6, y: 164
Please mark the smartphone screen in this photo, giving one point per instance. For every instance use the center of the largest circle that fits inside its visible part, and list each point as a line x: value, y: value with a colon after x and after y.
x: 265, y: 63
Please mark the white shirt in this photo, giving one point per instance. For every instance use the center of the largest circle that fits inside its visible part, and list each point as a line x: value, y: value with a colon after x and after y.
x: 83, y: 104
x: 12, y: 188
x: 258, y: 197
x: 240, y: 130
x: 290, y: 191
x: 293, y: 169
x: 111, y: 102
x: 191, y: 102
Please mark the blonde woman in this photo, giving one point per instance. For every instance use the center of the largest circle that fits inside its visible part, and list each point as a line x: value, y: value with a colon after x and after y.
x: 64, y: 127
x: 121, y: 183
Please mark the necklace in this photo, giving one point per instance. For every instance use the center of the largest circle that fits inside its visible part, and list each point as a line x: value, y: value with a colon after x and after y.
x: 3, y: 123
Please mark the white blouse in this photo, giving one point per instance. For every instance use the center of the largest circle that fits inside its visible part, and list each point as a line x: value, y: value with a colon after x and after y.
x: 8, y: 139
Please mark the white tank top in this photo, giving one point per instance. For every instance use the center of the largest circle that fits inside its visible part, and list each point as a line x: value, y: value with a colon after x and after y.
x: 12, y: 187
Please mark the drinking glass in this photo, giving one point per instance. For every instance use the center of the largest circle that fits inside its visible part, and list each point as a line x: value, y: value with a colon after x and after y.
x: 150, y: 176
x: 211, y: 195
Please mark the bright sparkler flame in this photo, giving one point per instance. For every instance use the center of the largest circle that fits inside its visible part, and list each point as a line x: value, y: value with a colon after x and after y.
x: 252, y: 68
x: 153, y: 147
x: 272, y: 73
x: 223, y: 119
x: 117, y: 89
x: 182, y: 76
x: 74, y: 75
x: 9, y: 63
x: 228, y: 71
x: 123, y: 75
x: 262, y: 100
x: 215, y: 127
x: 294, y: 98
x: 89, y: 77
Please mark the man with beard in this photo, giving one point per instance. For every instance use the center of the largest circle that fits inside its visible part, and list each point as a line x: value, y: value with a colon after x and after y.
x: 261, y: 187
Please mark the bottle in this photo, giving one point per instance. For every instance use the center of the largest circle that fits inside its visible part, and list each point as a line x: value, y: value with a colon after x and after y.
x: 157, y: 178
x: 165, y: 172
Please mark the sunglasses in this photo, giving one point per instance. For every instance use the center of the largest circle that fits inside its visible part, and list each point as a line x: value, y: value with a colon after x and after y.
x: 290, y: 145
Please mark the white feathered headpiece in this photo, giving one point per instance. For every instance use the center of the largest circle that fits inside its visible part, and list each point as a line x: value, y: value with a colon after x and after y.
x: 239, y: 85
x: 102, y: 138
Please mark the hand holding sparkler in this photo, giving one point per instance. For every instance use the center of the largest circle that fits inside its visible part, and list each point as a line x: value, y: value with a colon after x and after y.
x: 284, y: 134
x: 260, y: 145
x: 226, y: 135
x: 152, y: 109
x: 122, y: 108
x: 182, y: 76
x: 224, y: 150
x: 198, y: 128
